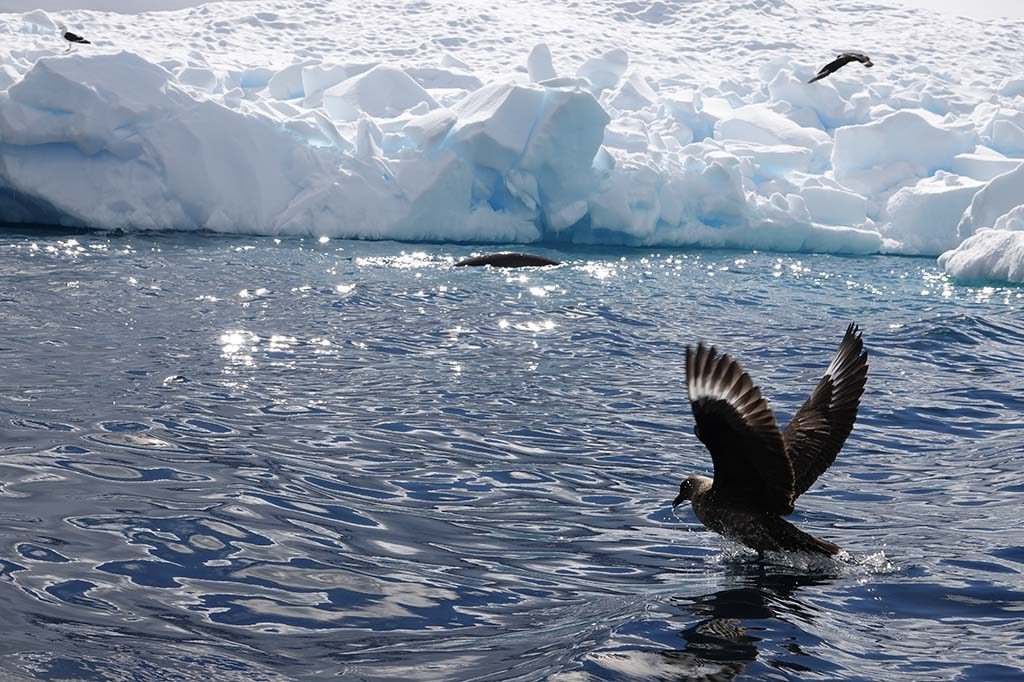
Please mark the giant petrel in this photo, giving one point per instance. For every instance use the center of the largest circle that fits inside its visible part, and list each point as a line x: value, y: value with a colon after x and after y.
x: 840, y: 61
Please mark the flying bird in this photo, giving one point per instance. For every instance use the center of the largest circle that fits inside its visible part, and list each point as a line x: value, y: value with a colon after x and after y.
x: 760, y: 471
x: 840, y: 61
x: 72, y: 38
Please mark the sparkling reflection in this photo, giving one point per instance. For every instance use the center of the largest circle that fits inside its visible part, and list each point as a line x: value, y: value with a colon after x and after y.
x: 449, y: 473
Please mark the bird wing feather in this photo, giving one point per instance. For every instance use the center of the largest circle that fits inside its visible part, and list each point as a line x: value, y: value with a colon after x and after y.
x: 818, y: 430
x: 733, y: 420
x: 858, y: 56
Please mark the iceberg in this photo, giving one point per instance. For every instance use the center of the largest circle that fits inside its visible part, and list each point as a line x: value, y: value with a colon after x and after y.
x: 676, y: 141
x: 835, y: 206
x: 998, y: 197
x: 111, y: 141
x: 604, y: 72
x: 383, y: 91
x: 762, y: 125
x: 538, y: 64
x: 924, y: 217
x: 913, y: 142
x: 989, y: 255
x: 983, y: 164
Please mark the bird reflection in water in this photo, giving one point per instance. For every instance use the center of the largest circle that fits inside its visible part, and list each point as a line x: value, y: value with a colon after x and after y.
x: 739, y: 631
x: 727, y: 638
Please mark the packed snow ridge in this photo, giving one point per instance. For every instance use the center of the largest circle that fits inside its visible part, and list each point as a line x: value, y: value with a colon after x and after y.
x: 606, y: 148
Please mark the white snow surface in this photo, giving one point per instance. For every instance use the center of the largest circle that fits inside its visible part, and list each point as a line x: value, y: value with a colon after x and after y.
x: 662, y: 122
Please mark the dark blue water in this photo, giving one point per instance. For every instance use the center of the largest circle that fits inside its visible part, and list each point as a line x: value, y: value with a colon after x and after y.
x: 244, y: 459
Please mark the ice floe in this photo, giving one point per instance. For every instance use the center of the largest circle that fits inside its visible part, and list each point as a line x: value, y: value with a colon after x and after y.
x: 989, y: 255
x: 649, y: 124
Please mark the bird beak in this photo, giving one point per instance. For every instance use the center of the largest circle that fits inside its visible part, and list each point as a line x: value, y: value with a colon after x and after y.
x: 678, y: 501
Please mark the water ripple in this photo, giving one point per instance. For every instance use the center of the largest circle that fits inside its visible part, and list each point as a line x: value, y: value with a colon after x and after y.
x: 240, y: 459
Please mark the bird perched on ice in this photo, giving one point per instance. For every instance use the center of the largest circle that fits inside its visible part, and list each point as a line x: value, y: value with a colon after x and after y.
x: 759, y: 472
x: 72, y: 38
x: 840, y: 61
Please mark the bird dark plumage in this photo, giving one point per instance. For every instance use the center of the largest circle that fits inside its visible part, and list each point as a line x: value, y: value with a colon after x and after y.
x: 75, y: 38
x: 71, y: 38
x: 507, y: 260
x: 840, y: 61
x: 759, y: 472
x: 736, y: 426
x: 817, y: 432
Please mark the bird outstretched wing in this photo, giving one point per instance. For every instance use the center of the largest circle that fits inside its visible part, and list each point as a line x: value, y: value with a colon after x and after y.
x: 734, y: 422
x: 818, y: 430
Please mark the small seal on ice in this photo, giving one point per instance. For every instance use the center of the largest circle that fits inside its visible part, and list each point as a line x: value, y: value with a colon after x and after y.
x: 840, y: 61
x: 759, y: 472
x: 508, y: 260
x: 72, y: 38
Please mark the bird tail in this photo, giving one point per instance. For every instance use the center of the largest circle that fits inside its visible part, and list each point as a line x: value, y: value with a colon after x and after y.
x: 792, y: 539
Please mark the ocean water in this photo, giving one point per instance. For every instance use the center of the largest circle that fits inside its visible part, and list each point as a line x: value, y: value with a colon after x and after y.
x: 238, y: 458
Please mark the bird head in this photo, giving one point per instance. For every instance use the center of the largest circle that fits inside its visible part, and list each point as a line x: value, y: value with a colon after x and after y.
x: 690, y: 486
x: 62, y: 29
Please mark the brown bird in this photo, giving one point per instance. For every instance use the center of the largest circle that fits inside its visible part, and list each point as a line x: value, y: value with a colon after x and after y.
x: 759, y: 472
x: 840, y: 61
x: 508, y: 260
